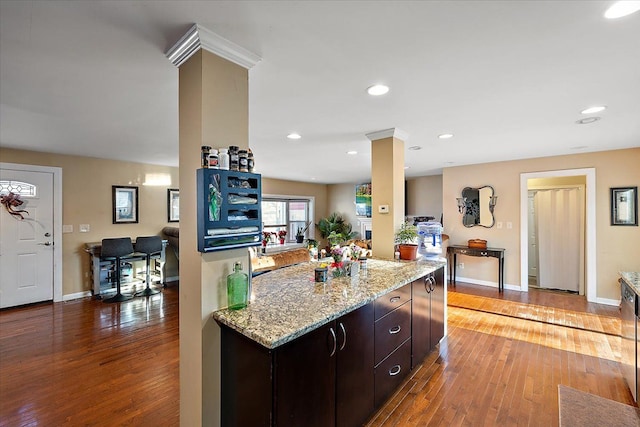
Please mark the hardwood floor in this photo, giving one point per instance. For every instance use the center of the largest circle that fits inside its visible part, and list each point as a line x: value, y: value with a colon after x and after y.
x: 85, y: 362
x: 503, y: 370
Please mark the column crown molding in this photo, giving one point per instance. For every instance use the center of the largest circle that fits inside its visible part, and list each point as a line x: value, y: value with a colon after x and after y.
x: 388, y: 133
x: 198, y: 37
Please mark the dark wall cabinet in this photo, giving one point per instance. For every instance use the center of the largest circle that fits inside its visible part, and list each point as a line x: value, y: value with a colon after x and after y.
x: 229, y: 209
x: 339, y: 373
x: 427, y: 321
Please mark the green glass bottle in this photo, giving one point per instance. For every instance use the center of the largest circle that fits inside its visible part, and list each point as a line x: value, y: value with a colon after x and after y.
x: 237, y: 287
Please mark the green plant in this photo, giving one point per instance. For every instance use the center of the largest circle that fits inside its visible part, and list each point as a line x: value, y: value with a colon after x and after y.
x: 302, y: 230
x: 337, y: 225
x: 312, y: 243
x: 406, y: 234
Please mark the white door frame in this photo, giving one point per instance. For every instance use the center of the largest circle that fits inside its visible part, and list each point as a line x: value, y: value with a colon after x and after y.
x: 57, y: 219
x: 590, y: 223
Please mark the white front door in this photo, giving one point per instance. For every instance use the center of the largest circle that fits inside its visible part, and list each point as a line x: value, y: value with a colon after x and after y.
x: 26, y: 245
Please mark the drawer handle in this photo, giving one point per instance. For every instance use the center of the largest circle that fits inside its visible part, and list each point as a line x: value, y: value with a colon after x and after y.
x: 483, y: 253
x: 395, y: 330
x: 395, y: 370
x: 394, y: 300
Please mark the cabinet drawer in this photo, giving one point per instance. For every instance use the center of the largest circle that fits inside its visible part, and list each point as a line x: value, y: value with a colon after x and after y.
x: 391, y: 301
x: 391, y: 372
x: 391, y: 331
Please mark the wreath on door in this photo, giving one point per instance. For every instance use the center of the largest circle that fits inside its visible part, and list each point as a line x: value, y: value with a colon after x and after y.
x: 12, y: 201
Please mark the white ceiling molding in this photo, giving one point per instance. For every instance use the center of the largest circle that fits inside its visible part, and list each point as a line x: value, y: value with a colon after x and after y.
x: 388, y: 133
x: 199, y: 37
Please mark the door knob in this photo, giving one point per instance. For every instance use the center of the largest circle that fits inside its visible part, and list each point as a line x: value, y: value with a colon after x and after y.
x: 46, y: 244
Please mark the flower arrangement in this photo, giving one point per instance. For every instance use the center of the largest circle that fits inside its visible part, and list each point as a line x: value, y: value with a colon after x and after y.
x: 282, y: 234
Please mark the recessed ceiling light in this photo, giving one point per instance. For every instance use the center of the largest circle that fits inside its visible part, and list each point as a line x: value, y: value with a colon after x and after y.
x: 594, y: 109
x: 622, y: 8
x: 406, y: 167
x: 587, y: 120
x: 377, y: 90
x: 294, y: 136
x: 415, y: 147
x: 352, y: 152
x: 445, y: 135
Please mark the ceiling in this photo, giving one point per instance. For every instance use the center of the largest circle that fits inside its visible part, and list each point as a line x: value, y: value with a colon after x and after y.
x: 509, y: 79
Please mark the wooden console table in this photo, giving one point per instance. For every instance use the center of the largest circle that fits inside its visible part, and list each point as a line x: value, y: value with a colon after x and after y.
x: 454, y: 250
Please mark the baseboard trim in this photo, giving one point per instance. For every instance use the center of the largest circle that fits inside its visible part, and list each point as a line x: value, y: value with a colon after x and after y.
x: 607, y: 301
x: 77, y: 295
x: 487, y: 283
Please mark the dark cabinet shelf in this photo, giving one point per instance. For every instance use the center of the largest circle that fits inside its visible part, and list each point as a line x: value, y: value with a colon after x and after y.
x: 229, y: 211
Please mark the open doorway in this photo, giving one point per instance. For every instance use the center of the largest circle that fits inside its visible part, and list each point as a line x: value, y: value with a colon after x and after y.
x: 587, y: 268
x: 556, y: 233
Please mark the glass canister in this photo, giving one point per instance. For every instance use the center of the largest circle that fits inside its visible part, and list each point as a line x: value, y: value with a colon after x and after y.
x: 243, y: 161
x: 237, y: 288
x: 204, y: 162
x: 250, y: 161
x: 234, y: 159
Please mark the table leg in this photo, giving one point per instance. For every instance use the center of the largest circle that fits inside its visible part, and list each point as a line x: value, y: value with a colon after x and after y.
x: 501, y: 274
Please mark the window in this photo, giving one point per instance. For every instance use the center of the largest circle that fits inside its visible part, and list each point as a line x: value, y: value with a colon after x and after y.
x: 286, y: 214
x: 16, y: 187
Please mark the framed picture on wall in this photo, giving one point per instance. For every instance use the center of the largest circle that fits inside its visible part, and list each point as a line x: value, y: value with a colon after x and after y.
x: 125, y: 204
x: 624, y: 206
x: 173, y: 205
x: 363, y: 200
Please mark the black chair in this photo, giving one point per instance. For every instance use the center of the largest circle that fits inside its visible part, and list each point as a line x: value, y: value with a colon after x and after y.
x: 114, y: 250
x: 149, y: 246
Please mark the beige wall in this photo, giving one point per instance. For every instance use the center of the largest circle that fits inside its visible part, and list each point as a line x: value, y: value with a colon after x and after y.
x: 279, y: 187
x: 342, y: 199
x: 86, y: 198
x: 424, y: 196
x: 617, y: 247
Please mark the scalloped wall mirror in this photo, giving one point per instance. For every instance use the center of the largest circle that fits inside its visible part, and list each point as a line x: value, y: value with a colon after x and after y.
x: 476, y: 206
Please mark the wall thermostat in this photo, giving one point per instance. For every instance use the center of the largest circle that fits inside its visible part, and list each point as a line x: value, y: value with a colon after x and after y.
x: 383, y: 209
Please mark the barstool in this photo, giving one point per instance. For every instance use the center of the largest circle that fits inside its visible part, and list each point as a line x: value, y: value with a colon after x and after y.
x: 150, y: 246
x: 115, y: 250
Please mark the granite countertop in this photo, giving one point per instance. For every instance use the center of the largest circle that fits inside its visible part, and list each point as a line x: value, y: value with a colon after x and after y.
x: 288, y: 303
x: 633, y: 279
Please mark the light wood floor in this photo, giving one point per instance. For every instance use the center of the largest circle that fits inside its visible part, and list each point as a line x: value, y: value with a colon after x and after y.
x: 85, y: 362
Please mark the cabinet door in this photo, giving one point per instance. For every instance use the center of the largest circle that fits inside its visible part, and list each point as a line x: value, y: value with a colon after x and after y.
x: 421, y: 319
x: 305, y: 373
x: 437, y: 308
x: 354, y: 374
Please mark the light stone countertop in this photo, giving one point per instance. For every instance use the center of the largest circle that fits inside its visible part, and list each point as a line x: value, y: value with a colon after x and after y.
x: 288, y: 303
x: 633, y: 279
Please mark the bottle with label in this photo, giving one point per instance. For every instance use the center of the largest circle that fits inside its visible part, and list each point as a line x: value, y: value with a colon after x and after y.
x: 243, y: 161
x: 213, y: 159
x: 223, y: 159
x: 234, y: 160
x: 237, y: 288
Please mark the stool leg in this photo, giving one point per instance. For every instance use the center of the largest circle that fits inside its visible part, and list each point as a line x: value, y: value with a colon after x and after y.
x: 118, y: 297
x: 147, y: 291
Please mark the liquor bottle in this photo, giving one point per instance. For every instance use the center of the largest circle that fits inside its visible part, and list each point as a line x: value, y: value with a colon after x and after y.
x: 237, y: 288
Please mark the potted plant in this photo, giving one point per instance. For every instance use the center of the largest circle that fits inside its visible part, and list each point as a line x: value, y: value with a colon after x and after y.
x: 405, y: 238
x: 335, y: 229
x: 281, y: 235
x: 300, y: 233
